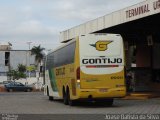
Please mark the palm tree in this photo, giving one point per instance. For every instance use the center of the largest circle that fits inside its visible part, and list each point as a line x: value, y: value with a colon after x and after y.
x: 38, y: 52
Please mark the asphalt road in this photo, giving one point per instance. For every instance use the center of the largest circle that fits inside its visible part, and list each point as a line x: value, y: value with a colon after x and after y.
x: 37, y: 103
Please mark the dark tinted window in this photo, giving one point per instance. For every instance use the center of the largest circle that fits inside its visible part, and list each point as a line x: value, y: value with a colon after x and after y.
x: 50, y: 61
x: 61, y: 57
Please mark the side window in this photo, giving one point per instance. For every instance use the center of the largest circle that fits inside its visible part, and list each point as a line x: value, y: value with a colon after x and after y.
x: 16, y: 84
x: 50, y: 61
x: 70, y: 51
x: 65, y: 55
x: 61, y: 57
x: 20, y: 84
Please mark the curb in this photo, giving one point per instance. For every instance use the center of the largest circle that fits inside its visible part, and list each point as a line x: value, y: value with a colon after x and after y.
x: 141, y: 96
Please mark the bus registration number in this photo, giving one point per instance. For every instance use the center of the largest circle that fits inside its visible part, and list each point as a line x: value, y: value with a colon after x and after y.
x: 103, y: 90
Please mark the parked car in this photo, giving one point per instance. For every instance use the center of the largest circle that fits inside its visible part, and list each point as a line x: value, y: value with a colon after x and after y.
x: 17, y: 86
x: 6, y: 82
x: 3, y: 83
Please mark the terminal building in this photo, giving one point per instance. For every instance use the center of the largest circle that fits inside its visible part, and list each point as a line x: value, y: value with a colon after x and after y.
x: 139, y: 26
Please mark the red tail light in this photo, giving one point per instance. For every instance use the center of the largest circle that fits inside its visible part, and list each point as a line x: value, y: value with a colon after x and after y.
x: 78, y: 73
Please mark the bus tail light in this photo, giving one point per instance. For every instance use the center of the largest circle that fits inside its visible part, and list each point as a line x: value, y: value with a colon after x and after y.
x: 78, y: 73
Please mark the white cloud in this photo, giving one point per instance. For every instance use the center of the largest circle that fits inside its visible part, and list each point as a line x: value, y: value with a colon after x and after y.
x: 40, y: 21
x: 88, y: 9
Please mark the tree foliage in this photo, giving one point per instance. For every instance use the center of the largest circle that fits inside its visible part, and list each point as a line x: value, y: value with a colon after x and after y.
x: 18, y: 73
x: 31, y: 68
x: 38, y: 52
x: 21, y: 68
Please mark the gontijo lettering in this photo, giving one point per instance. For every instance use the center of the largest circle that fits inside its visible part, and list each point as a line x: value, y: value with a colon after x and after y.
x: 102, y: 61
x: 60, y: 71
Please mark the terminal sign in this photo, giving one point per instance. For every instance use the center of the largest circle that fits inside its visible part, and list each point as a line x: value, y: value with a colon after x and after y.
x: 142, y: 9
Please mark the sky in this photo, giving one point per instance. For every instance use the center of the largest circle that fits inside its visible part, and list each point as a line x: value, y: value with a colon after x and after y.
x: 41, y: 21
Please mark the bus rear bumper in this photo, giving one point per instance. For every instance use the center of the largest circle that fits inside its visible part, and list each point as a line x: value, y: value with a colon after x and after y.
x: 101, y: 93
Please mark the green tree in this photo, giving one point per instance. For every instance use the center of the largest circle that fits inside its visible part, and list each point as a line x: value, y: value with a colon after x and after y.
x: 38, y: 52
x: 15, y: 74
x: 21, y: 68
x: 21, y: 75
x: 31, y: 68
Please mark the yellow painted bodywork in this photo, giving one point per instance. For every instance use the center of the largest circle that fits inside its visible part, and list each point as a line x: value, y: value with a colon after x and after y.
x: 98, y: 86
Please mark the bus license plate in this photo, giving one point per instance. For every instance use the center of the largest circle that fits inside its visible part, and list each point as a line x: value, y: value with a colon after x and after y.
x: 103, y: 90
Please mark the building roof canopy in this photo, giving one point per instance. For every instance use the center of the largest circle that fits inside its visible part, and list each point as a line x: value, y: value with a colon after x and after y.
x: 142, y: 17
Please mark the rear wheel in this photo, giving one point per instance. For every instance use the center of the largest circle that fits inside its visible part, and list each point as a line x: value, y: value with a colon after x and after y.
x: 49, y: 97
x: 71, y: 102
x: 65, y: 98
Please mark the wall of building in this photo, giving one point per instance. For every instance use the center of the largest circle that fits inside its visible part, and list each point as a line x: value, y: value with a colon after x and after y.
x: 3, y: 68
x: 16, y: 57
x: 21, y: 57
x: 5, y: 47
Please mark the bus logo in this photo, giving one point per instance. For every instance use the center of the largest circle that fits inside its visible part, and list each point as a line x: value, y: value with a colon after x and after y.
x: 101, y: 45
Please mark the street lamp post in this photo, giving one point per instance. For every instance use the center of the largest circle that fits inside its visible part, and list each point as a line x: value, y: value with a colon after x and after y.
x: 29, y: 44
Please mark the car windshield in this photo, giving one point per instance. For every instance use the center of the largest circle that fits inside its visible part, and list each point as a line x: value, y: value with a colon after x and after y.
x: 18, y: 84
x: 11, y: 83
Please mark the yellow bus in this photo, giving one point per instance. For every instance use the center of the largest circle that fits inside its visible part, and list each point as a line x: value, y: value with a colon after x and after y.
x: 89, y: 67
